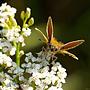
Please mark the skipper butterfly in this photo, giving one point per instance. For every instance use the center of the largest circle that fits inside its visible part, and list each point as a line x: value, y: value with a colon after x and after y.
x: 61, y: 47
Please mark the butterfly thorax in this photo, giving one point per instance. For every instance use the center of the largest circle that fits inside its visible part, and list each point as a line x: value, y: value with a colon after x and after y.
x: 55, y: 43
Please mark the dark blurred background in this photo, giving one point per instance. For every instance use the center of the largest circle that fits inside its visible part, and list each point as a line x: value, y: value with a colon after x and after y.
x: 71, y: 20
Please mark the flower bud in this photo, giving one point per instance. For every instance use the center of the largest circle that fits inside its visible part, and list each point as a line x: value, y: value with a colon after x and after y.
x: 28, y: 13
x: 22, y: 15
x: 31, y: 21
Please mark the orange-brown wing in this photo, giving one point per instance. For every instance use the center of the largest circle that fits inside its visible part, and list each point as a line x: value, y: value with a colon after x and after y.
x: 49, y: 29
x: 71, y: 45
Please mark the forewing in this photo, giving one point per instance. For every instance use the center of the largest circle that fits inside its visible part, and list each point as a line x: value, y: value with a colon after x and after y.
x: 49, y: 29
x: 71, y: 45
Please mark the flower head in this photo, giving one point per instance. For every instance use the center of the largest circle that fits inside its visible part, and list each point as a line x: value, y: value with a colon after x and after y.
x: 4, y: 59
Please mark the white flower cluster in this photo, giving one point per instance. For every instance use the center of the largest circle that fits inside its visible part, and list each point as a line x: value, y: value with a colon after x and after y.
x: 11, y: 32
x: 35, y: 73
x: 5, y: 11
x: 42, y: 75
x: 6, y: 46
x: 4, y: 59
x: 15, y: 35
x: 7, y: 82
x: 26, y: 32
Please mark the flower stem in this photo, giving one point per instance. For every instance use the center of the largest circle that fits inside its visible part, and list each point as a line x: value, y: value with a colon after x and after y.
x: 18, y: 54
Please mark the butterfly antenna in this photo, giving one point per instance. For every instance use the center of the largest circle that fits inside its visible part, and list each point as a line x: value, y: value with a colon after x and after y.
x: 46, y: 40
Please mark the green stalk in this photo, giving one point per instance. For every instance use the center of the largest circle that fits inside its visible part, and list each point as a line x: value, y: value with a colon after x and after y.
x: 18, y: 48
x: 18, y: 54
x: 24, y: 22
